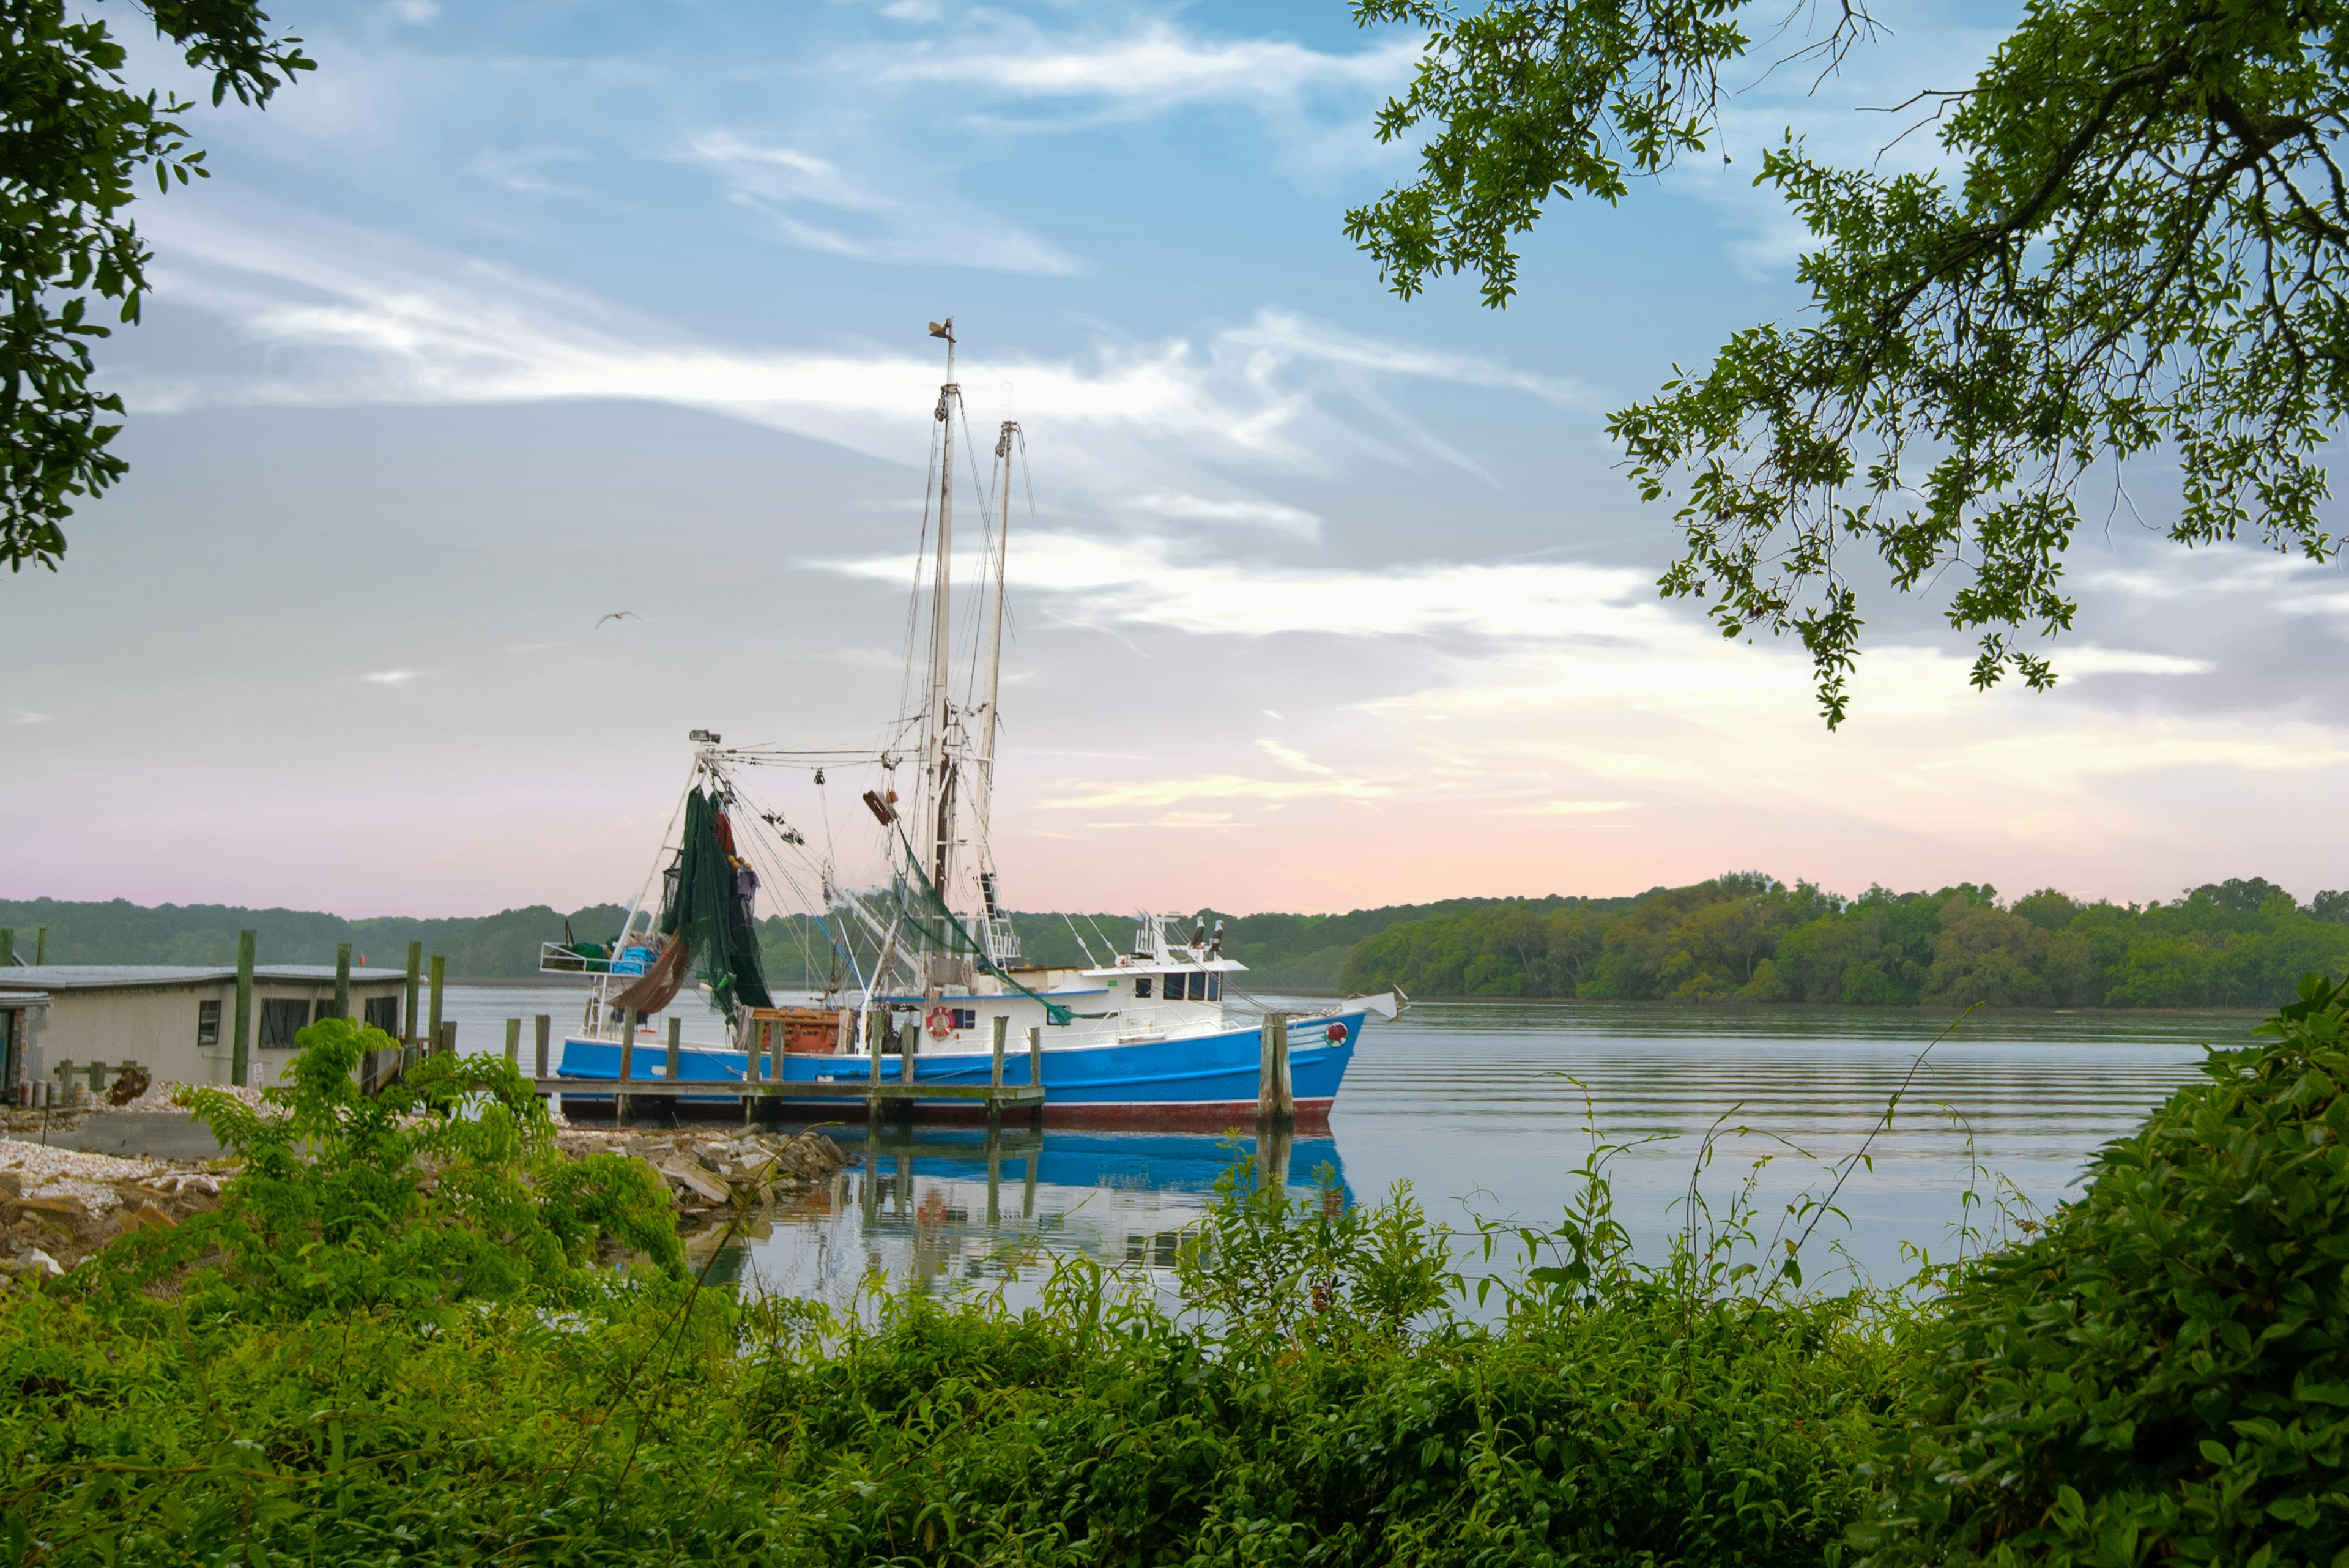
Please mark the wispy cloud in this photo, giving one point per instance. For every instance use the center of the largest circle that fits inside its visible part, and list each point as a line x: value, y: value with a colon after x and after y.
x: 1294, y: 521
x: 1152, y: 582
x: 525, y: 171
x: 345, y: 326
x: 812, y: 202
x: 397, y: 677
x: 1565, y: 808
x: 26, y: 716
x: 1288, y: 756
x: 1095, y: 796
x: 2094, y: 661
x: 1151, y: 68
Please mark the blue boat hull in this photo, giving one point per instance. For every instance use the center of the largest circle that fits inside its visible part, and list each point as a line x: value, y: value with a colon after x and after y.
x: 1204, y: 1080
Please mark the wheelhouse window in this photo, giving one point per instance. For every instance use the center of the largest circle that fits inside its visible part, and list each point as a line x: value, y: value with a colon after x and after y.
x: 1198, y: 984
x: 1215, y: 985
x: 281, y: 1020
x: 1140, y: 989
x: 208, y: 1022
x: 965, y: 1018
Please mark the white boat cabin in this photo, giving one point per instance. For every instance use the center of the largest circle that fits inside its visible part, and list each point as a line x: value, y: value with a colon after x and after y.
x: 1165, y: 988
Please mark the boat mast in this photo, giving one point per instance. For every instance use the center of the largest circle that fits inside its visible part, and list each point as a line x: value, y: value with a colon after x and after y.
x: 938, y: 757
x: 983, y: 807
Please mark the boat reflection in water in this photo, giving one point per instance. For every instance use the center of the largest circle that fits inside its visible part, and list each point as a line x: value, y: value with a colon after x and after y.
x: 929, y: 1208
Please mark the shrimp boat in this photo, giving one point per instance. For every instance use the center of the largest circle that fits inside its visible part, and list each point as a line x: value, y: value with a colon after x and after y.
x: 925, y: 963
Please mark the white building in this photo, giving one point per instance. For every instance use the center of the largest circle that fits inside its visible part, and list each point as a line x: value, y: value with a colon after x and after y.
x: 179, y: 1023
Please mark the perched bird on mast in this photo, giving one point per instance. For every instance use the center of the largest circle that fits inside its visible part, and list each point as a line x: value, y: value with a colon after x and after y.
x: 943, y: 329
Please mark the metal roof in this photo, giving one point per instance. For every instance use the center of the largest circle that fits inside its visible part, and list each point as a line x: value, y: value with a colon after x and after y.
x: 155, y: 976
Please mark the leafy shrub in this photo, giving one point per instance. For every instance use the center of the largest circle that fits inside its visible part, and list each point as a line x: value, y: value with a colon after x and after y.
x: 446, y: 1187
x: 2164, y: 1372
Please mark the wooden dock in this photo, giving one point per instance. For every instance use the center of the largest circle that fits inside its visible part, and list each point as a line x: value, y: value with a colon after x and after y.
x: 837, y: 1089
x: 876, y: 1093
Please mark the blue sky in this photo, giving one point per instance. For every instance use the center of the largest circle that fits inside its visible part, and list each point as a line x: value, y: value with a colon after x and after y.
x: 514, y: 315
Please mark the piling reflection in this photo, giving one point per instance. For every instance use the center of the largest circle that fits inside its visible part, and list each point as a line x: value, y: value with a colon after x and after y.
x: 942, y: 1207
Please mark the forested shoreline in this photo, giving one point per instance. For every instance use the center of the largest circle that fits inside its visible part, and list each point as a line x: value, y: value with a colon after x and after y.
x: 1744, y: 937
x: 1749, y: 937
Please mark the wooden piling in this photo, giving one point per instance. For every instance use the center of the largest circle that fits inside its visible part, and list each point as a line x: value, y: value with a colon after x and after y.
x: 909, y: 1046
x: 754, y: 1040
x: 440, y: 977
x: 239, y: 1050
x: 41, y: 945
x: 872, y: 1195
x: 415, y: 984
x: 1035, y: 1074
x: 1028, y: 1188
x: 1275, y: 1105
x: 513, y: 1043
x: 545, y: 1036
x: 7, y: 946
x: 994, y: 1166
x: 1272, y: 1148
x: 675, y: 1048
x: 628, y: 1017
x: 342, y: 979
x: 445, y: 1042
x: 994, y: 1106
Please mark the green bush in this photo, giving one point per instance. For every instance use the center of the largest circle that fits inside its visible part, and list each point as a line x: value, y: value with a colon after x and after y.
x: 446, y: 1187
x: 2164, y: 1372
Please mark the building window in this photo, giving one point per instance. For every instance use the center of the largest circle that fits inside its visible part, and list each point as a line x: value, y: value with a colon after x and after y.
x: 207, y: 1023
x: 1141, y: 987
x: 383, y: 1012
x: 281, y: 1020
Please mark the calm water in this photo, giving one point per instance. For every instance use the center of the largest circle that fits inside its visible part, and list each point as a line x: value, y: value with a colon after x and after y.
x: 1488, y: 1109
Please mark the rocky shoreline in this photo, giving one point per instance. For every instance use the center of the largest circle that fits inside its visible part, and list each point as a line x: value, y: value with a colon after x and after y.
x: 60, y: 1204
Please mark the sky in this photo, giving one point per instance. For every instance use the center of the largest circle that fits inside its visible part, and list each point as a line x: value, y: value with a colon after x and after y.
x: 520, y: 312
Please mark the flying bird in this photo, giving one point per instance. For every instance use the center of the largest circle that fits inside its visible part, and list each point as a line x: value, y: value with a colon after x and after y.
x: 618, y: 615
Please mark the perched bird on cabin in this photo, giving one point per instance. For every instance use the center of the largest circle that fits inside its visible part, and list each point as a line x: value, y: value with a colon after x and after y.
x: 618, y: 615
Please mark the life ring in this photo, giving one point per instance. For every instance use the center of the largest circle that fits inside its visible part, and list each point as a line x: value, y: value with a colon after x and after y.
x: 940, y: 1022
x: 1337, y: 1034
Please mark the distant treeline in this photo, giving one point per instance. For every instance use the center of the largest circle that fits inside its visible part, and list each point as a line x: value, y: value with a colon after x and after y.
x: 484, y: 946
x: 1745, y: 938
x: 1305, y: 952
x: 1750, y: 937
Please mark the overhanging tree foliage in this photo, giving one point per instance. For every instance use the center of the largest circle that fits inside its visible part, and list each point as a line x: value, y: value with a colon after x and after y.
x: 75, y: 140
x: 2141, y: 248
